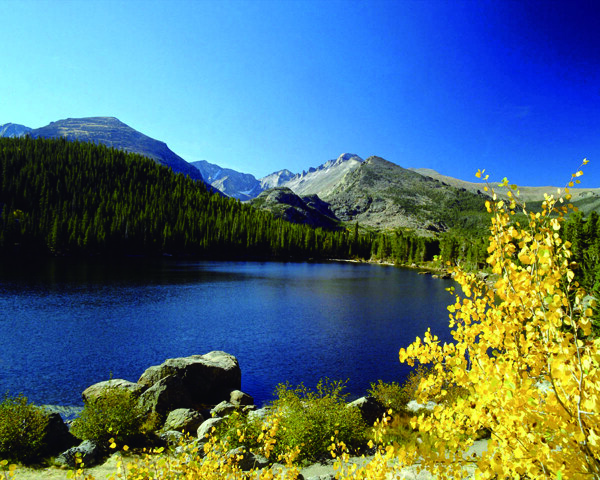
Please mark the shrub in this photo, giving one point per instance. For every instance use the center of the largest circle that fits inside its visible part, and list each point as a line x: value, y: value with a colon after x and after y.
x: 309, y: 419
x: 114, y: 414
x: 22, y: 429
x: 389, y: 395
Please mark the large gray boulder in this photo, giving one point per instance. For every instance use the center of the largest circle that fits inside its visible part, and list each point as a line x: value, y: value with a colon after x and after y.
x: 205, y: 379
x: 167, y: 394
x: 99, y: 389
x: 183, y: 420
x: 207, y: 426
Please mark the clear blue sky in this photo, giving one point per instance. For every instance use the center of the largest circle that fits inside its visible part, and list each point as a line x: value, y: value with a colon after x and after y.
x: 258, y: 86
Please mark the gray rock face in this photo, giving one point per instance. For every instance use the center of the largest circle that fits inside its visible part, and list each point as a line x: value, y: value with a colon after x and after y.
x: 242, y: 186
x: 89, y: 452
x: 168, y: 393
x: 240, y: 399
x: 190, y: 382
x: 207, y: 427
x: 183, y: 420
x: 98, y: 389
x: 223, y: 409
x: 284, y: 203
x: 171, y: 437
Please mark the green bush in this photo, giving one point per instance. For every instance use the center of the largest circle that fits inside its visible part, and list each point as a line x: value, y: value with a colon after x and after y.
x: 389, y: 395
x: 309, y: 419
x: 22, y: 429
x: 114, y: 414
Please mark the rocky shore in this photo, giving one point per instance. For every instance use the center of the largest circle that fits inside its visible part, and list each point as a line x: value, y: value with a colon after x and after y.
x: 188, y: 396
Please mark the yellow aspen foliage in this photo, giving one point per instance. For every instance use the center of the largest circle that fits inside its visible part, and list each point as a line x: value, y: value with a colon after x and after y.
x: 523, y: 360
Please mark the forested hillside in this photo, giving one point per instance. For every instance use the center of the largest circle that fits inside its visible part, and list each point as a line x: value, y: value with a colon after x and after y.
x: 62, y: 197
x: 70, y: 198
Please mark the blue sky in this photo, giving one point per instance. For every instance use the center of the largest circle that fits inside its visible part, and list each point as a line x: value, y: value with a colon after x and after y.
x: 258, y: 86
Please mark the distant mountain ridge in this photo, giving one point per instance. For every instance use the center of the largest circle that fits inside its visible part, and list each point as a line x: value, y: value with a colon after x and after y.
x: 13, y: 130
x: 323, y: 179
x: 242, y: 186
x: 112, y: 132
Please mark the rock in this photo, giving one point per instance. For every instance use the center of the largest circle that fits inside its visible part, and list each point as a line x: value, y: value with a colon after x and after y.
x: 56, y: 435
x: 370, y: 409
x: 172, y: 438
x: 239, y: 398
x: 207, y: 427
x: 167, y: 394
x: 194, y: 448
x: 258, y: 414
x: 89, y: 452
x: 205, y: 379
x: 414, y: 406
x: 223, y: 409
x: 183, y: 420
x: 247, y: 460
x: 98, y: 389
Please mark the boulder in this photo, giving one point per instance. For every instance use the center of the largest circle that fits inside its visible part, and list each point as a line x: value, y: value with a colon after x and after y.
x: 370, y: 409
x: 207, y: 426
x: 239, y: 398
x: 167, y: 394
x: 99, y: 389
x: 183, y: 420
x: 90, y: 453
x: 56, y: 435
x: 205, y: 379
x: 172, y: 438
x: 259, y: 414
x: 223, y: 409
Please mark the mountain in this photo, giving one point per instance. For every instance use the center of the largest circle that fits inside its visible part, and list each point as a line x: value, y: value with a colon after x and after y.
x: 317, y: 181
x: 383, y: 195
x: 13, y: 130
x: 275, y: 179
x: 114, y: 133
x: 242, y: 186
x: 285, y: 204
x: 586, y: 199
x: 323, y: 179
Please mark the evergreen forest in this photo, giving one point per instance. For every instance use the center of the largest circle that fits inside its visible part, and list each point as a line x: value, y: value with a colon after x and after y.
x: 71, y: 198
x: 59, y: 197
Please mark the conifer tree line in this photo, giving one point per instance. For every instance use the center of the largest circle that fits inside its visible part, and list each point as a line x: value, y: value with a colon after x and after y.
x: 74, y: 198
x: 584, y: 235
x: 70, y: 198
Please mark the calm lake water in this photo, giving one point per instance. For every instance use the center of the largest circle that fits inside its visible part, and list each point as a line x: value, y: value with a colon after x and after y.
x: 67, y: 324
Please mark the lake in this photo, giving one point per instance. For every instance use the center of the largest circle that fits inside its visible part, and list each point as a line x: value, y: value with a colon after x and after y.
x: 66, y: 324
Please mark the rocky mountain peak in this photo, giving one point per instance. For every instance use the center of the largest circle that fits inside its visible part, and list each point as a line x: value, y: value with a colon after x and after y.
x: 110, y: 131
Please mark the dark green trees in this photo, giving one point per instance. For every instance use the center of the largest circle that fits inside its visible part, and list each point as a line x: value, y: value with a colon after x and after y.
x: 63, y: 197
